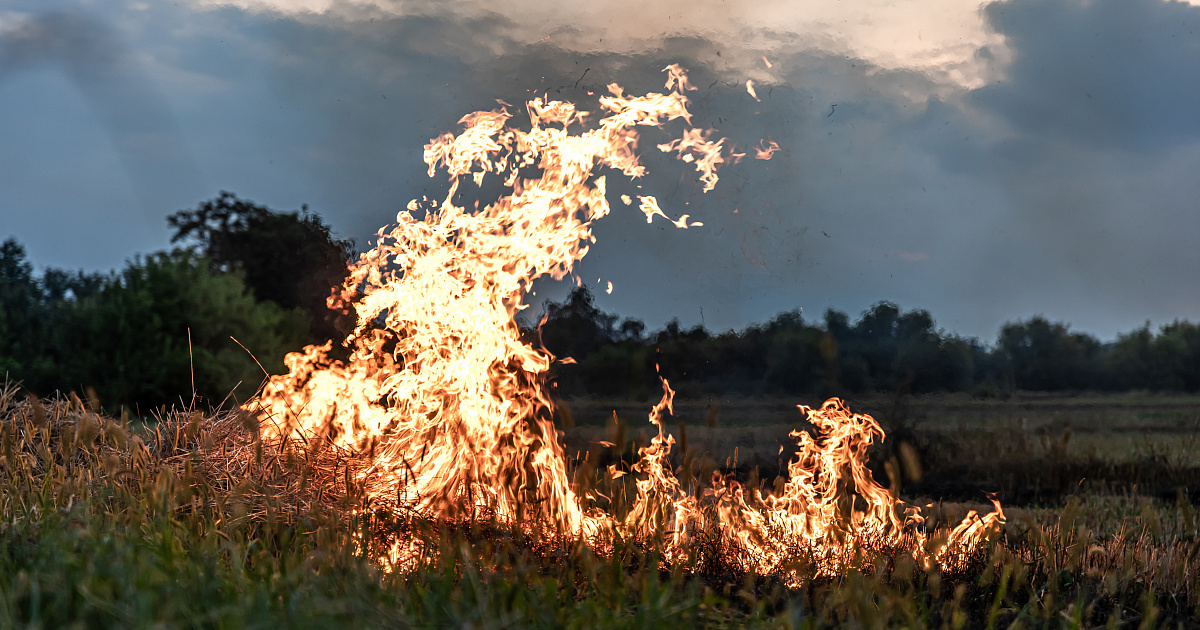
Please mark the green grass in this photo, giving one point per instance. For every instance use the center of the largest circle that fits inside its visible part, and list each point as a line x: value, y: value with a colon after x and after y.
x: 191, y: 523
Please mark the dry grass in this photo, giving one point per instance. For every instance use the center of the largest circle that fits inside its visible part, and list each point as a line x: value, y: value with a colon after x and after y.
x: 194, y: 521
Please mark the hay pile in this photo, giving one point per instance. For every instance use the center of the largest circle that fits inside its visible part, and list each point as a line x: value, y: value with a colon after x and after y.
x: 55, y: 453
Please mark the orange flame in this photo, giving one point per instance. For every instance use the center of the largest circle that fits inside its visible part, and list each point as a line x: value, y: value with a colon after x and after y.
x: 447, y: 403
x: 750, y: 89
x: 765, y: 151
x: 695, y: 146
x: 649, y: 207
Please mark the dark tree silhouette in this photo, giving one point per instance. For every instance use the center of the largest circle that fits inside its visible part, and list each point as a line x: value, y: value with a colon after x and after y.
x: 156, y: 333
x: 575, y: 327
x: 1047, y: 356
x: 290, y: 258
x: 19, y: 301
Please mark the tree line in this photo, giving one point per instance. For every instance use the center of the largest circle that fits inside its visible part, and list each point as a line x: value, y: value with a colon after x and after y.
x: 203, y: 323
x: 885, y: 349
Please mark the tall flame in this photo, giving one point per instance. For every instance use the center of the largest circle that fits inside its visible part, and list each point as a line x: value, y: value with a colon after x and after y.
x: 447, y: 403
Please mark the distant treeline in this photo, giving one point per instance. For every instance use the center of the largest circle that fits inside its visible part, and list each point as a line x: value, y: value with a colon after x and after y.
x: 203, y: 324
x: 886, y: 349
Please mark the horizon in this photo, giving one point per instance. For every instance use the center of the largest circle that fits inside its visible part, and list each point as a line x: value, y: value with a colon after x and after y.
x: 539, y: 307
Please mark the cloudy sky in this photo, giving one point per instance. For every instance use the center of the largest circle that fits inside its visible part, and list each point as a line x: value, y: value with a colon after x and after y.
x: 987, y: 162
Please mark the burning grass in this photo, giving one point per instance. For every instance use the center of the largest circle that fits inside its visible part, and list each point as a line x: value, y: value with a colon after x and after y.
x: 444, y: 401
x: 194, y: 521
x: 422, y: 479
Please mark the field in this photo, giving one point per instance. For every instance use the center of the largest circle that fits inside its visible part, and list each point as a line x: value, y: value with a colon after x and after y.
x: 1032, y: 448
x: 190, y: 522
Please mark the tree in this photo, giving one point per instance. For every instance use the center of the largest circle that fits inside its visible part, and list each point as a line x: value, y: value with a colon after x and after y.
x: 58, y: 284
x: 291, y: 259
x: 19, y: 306
x: 1167, y: 361
x: 795, y: 361
x: 164, y: 323
x: 928, y: 360
x: 575, y: 327
x: 1046, y: 356
x: 887, y: 349
x: 875, y: 339
x: 1181, y: 341
x: 150, y: 335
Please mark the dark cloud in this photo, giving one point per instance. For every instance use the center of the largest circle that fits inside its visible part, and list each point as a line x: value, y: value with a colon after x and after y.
x: 1121, y: 74
x: 983, y: 205
x: 384, y: 88
x: 1082, y: 140
x: 877, y: 196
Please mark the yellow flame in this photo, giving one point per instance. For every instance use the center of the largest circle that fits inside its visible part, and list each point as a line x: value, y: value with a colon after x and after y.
x: 447, y: 404
x: 695, y: 146
x: 649, y: 207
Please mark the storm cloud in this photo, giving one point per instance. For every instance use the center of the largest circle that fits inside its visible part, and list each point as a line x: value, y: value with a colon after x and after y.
x: 1039, y: 163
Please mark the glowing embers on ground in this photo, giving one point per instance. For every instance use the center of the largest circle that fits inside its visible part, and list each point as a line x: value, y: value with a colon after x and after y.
x: 445, y: 402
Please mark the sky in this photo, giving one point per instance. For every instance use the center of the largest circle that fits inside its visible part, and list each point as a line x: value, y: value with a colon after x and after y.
x: 987, y: 161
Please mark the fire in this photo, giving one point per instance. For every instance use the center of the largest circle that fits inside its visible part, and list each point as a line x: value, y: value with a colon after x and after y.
x: 765, y: 150
x: 447, y: 405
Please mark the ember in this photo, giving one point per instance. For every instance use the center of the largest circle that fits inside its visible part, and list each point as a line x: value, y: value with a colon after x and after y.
x: 446, y: 406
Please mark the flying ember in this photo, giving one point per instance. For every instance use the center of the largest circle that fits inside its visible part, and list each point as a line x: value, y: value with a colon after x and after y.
x: 447, y: 404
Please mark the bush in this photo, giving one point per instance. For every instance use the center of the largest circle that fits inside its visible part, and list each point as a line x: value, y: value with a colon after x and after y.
x: 289, y: 258
x: 126, y: 335
x: 1047, y: 356
x: 133, y: 342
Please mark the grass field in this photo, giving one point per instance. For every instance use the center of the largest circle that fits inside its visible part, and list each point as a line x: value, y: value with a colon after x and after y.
x: 189, y: 522
x: 1032, y: 448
